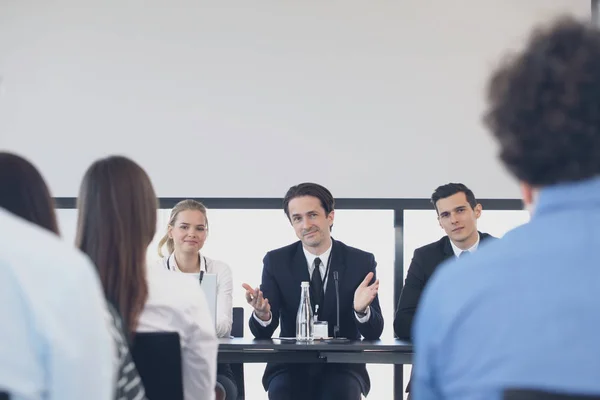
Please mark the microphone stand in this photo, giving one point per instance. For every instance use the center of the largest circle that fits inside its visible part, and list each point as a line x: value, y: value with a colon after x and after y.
x: 336, y: 328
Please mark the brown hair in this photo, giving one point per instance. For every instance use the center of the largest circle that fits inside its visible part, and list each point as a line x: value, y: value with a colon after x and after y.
x: 25, y: 193
x: 310, y: 189
x: 183, y: 205
x: 116, y: 223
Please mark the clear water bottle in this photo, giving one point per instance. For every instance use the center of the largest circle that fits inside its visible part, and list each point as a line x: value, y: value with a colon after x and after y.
x: 304, y: 320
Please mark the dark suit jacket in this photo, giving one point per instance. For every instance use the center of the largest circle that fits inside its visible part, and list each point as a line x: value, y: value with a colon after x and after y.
x: 425, y: 261
x: 283, y: 271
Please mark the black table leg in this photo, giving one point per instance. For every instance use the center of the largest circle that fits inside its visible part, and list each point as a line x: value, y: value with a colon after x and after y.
x: 398, y: 381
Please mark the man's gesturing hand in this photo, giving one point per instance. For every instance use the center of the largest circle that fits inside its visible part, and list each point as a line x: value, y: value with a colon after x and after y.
x: 365, y: 294
x: 255, y: 298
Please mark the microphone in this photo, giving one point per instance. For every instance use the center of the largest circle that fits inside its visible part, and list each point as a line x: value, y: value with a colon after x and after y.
x: 336, y: 328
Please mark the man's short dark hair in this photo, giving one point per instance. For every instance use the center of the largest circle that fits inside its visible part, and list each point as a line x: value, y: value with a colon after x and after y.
x: 451, y: 189
x: 544, y: 105
x: 309, y: 189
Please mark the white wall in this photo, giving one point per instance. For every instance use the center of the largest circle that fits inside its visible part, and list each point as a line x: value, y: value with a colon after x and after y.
x: 245, y: 98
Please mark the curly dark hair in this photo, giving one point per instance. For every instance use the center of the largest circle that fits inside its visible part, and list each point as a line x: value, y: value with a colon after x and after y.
x: 544, y: 105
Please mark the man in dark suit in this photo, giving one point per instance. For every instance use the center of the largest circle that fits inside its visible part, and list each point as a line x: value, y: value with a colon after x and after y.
x: 317, y: 259
x: 457, y: 211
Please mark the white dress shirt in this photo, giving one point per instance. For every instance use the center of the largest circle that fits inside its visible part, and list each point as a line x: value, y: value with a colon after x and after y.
x: 310, y: 261
x: 175, y: 303
x: 54, y: 342
x: 457, y: 251
x: 224, y: 288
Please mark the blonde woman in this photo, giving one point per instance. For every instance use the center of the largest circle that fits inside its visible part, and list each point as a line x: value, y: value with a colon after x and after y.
x: 186, y: 234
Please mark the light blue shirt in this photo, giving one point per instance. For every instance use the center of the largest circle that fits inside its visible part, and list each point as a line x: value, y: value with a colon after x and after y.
x: 54, y: 339
x: 521, y: 312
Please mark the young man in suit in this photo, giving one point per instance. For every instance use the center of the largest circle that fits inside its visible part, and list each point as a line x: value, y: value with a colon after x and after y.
x: 457, y: 211
x: 317, y: 258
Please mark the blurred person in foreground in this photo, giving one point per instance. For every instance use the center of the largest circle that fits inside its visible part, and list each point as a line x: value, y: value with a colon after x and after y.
x: 521, y: 314
x: 53, y: 312
x: 117, y: 212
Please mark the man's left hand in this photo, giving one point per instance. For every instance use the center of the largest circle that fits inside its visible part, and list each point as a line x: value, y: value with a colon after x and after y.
x: 365, y: 294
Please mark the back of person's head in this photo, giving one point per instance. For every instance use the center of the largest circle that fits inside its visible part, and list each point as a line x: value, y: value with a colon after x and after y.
x: 451, y: 189
x: 544, y: 105
x: 116, y: 223
x: 24, y: 192
x: 183, y: 205
x: 309, y: 189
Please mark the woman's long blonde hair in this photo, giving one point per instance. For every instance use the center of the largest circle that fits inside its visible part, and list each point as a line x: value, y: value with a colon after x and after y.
x: 183, y: 205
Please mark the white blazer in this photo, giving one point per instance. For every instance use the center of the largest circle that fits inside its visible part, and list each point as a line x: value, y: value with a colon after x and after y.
x: 175, y: 304
x: 224, y: 288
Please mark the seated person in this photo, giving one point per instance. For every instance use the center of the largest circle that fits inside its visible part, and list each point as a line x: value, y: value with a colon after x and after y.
x: 187, y: 231
x: 458, y: 212
x: 523, y: 312
x: 117, y: 222
x: 316, y: 258
x: 54, y: 329
x: 30, y: 198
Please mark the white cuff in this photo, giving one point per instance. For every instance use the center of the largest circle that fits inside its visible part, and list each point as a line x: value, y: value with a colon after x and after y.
x: 362, y: 320
x: 263, y: 323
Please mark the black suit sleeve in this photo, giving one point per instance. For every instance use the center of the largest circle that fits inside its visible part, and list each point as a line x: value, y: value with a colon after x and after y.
x: 270, y: 291
x: 409, y: 298
x: 373, y: 327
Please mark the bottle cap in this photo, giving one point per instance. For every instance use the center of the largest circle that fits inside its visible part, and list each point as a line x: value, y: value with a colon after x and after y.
x: 305, y: 284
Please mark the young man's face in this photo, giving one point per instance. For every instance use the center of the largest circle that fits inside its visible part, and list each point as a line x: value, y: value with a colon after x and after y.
x: 458, y: 218
x: 311, y: 223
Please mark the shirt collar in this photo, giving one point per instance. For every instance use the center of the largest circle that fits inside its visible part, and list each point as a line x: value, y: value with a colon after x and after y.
x: 471, y: 249
x: 310, y: 257
x: 173, y: 264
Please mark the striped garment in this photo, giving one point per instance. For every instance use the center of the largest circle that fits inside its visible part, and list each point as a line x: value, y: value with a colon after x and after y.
x: 129, y: 385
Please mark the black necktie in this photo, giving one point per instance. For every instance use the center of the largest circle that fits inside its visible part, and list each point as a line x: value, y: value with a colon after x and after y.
x: 316, y: 284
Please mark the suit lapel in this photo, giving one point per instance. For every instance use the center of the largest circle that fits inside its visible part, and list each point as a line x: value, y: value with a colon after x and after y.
x: 483, y: 236
x: 337, y: 263
x: 299, y: 267
x: 448, y: 252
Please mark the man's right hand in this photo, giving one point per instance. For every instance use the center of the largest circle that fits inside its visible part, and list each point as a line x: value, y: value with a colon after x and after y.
x: 261, y: 306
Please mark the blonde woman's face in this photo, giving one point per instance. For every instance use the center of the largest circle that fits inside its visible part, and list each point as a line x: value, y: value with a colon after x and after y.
x: 189, y: 231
